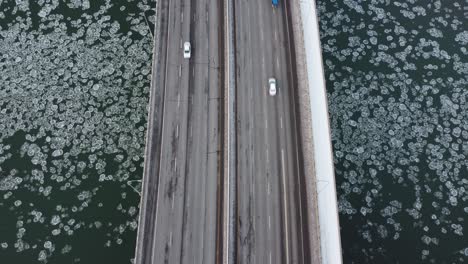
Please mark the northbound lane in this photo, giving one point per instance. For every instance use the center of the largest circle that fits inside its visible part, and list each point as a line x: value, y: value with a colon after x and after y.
x: 272, y: 227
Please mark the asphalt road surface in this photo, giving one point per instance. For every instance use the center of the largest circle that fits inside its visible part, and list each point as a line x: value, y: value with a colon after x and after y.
x: 271, y: 225
x: 179, y: 211
x: 178, y: 221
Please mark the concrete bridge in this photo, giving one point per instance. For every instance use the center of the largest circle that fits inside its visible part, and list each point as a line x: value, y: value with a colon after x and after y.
x: 233, y: 174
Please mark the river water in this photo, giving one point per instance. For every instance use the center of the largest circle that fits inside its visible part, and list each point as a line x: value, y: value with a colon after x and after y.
x: 74, y: 83
x: 397, y: 83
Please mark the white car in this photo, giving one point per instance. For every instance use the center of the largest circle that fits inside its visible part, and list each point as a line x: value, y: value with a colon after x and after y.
x: 272, y: 86
x: 187, y: 50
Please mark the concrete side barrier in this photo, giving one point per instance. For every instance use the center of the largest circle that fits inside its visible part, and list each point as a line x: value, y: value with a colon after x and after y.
x: 150, y: 178
x: 316, y: 137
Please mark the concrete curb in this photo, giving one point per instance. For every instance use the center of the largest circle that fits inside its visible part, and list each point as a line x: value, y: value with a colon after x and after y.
x: 316, y: 134
x: 307, y: 146
x: 155, y: 109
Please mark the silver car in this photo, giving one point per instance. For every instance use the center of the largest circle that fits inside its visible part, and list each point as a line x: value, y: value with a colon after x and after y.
x: 272, y: 86
x: 187, y: 50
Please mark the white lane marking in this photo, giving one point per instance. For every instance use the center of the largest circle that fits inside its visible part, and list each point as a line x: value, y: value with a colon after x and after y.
x: 180, y: 43
x: 276, y: 35
x: 178, y: 100
x: 277, y: 62
x: 175, y: 164
x: 281, y: 122
x: 180, y: 70
x: 266, y: 123
x: 267, y: 159
x: 253, y: 213
x: 170, y: 238
x: 182, y: 16
x: 285, y: 207
x: 172, y: 203
x: 227, y: 228
x: 177, y: 131
x: 270, y: 257
x: 269, y: 222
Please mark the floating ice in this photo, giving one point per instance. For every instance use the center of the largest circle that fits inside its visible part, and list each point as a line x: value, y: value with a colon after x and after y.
x: 42, y: 256
x: 398, y: 118
x: 55, y: 220
x: 48, y: 245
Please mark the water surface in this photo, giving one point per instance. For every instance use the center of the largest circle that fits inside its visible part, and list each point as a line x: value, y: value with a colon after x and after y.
x: 74, y: 83
x: 397, y: 88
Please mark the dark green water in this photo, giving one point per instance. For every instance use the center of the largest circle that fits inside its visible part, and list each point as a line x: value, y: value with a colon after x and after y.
x: 397, y: 82
x: 74, y: 83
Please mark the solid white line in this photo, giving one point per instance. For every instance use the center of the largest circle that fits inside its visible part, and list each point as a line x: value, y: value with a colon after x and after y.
x: 228, y: 158
x: 253, y: 191
x: 296, y: 143
x: 285, y: 207
x: 228, y: 142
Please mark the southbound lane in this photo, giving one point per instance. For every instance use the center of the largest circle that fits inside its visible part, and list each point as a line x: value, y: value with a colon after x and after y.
x: 182, y: 227
x: 270, y: 223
